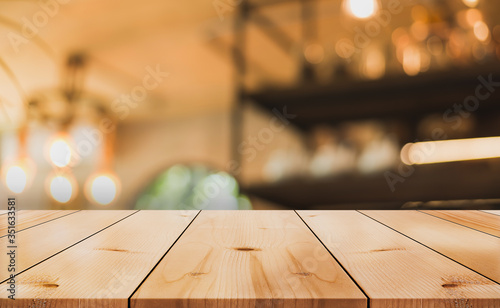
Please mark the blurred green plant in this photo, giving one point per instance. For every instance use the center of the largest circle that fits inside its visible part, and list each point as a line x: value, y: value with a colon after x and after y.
x: 195, y: 187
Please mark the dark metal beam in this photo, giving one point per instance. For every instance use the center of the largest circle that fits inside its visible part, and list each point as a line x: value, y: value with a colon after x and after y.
x: 238, y: 51
x: 273, y: 31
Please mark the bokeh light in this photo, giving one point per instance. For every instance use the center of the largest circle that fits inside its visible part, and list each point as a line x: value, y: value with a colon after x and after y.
x: 361, y: 8
x: 62, y: 188
x: 471, y: 3
x: 16, y: 179
x: 431, y: 152
x: 481, y: 31
x: 411, y: 60
x: 103, y: 188
x: 374, y: 64
x: 18, y: 174
x: 60, y: 152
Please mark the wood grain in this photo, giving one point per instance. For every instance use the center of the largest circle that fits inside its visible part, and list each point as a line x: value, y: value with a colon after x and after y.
x: 395, y: 271
x: 106, y: 268
x: 40, y: 242
x: 2, y: 212
x: 248, y: 259
x: 27, y: 219
x: 494, y: 212
x: 473, y: 219
x: 476, y: 250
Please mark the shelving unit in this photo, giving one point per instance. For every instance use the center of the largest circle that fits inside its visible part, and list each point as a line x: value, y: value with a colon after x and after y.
x: 393, y: 97
x: 406, y: 99
x: 450, y: 181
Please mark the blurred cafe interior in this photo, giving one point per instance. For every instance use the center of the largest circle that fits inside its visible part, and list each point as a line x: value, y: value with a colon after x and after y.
x: 250, y: 104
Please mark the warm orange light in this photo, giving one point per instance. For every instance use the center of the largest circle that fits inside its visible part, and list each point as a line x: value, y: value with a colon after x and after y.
x: 472, y: 16
x: 102, y: 188
x: 361, y: 8
x: 481, y: 31
x: 471, y: 3
x: 60, y: 151
x: 419, y: 13
x: 400, y: 37
x: 435, y: 45
x: 374, y: 64
x: 419, y: 30
x: 431, y: 152
x: 16, y: 179
x: 18, y: 175
x: 411, y: 60
x: 314, y: 53
x: 62, y: 188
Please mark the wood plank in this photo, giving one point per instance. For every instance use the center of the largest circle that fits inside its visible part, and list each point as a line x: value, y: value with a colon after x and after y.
x: 27, y: 219
x: 494, y: 212
x: 2, y: 212
x: 476, y: 250
x: 248, y: 259
x: 395, y: 271
x: 104, y: 270
x: 477, y: 220
x: 41, y: 242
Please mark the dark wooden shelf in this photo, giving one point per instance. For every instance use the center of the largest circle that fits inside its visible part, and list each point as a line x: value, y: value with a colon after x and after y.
x: 396, y: 97
x: 448, y: 181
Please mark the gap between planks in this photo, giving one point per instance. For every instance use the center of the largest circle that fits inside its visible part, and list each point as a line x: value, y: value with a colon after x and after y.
x: 336, y: 260
x: 27, y: 219
x: 109, y: 265
x: 472, y: 219
x: 152, y: 269
x: 43, y: 255
x: 474, y: 250
x: 395, y: 270
x: 248, y: 258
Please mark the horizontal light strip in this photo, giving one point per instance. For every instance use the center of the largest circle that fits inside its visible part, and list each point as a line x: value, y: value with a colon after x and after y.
x: 431, y: 152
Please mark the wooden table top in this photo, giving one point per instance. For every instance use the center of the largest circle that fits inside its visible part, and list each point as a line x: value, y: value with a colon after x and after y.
x: 148, y: 259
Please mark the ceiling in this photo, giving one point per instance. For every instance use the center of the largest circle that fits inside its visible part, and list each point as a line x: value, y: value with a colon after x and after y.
x: 122, y: 38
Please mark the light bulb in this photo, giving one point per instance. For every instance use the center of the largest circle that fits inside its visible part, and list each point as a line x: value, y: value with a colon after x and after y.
x: 471, y: 3
x: 62, y: 188
x: 16, y: 179
x: 60, y: 153
x: 18, y: 174
x: 102, y: 188
x: 361, y: 8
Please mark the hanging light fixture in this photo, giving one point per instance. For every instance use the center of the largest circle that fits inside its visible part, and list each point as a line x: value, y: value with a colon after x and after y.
x: 60, y: 148
x: 103, y: 186
x: 18, y: 174
x: 61, y: 110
